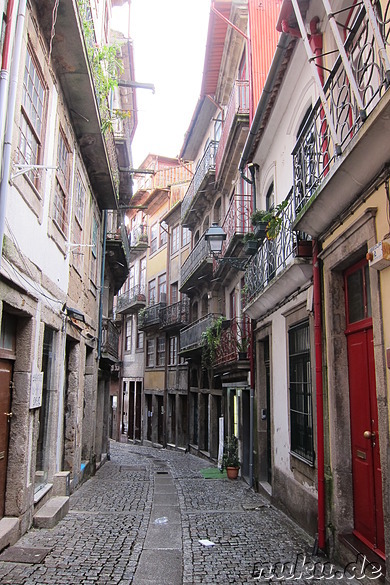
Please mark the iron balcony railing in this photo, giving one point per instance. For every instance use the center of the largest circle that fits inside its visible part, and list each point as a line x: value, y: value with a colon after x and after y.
x: 136, y: 296
x: 318, y: 148
x: 237, y: 221
x: 238, y: 104
x: 150, y: 316
x: 110, y: 339
x: 273, y: 255
x: 191, y: 337
x: 198, y: 255
x: 235, y: 341
x: 138, y: 237
x: 117, y: 233
x: 176, y: 314
x: 205, y: 166
x: 165, y: 177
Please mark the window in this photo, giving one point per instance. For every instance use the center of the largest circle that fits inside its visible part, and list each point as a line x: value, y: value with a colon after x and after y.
x: 131, y: 280
x: 172, y: 351
x: 175, y: 241
x: 128, y: 334
x: 140, y: 339
x: 301, y: 414
x: 142, y: 272
x: 79, y: 201
x: 150, y: 349
x: 161, y: 351
x: 32, y: 117
x: 152, y: 292
x: 163, y: 233
x: 218, y: 127
x: 153, y: 238
x: 174, y: 297
x: 186, y: 237
x: 61, y: 190
x: 94, y: 241
x: 162, y: 288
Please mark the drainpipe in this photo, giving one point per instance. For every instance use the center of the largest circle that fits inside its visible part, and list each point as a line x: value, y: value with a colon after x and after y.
x: 251, y: 405
x: 5, y: 64
x: 316, y: 46
x: 103, y: 266
x: 10, y: 116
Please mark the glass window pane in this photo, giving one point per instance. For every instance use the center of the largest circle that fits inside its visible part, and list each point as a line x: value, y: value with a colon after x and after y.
x: 355, y: 296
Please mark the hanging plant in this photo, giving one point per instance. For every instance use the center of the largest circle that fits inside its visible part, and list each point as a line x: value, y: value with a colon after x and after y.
x: 211, y: 339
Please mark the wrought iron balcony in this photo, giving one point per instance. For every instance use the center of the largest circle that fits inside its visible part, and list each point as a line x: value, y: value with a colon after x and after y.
x: 132, y: 300
x: 117, y: 249
x: 150, y: 317
x: 165, y: 177
x: 191, y: 337
x: 235, y: 342
x: 344, y: 133
x: 110, y: 341
x: 205, y: 169
x: 198, y: 263
x: 175, y: 315
x: 138, y: 238
x: 276, y: 271
x: 237, y: 221
x: 234, y: 131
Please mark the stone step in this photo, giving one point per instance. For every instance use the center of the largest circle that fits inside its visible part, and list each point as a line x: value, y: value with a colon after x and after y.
x: 9, y: 531
x: 52, y: 512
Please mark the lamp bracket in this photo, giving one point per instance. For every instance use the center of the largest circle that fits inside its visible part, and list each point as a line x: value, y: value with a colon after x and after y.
x: 237, y: 263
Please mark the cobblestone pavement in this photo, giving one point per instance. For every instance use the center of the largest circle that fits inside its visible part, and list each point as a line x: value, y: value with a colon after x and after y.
x: 101, y: 539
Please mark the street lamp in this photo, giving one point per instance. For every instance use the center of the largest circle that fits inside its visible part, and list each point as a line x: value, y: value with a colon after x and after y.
x: 215, y: 237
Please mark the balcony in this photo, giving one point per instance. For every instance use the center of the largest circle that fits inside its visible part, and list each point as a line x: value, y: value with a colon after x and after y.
x: 276, y: 270
x: 150, y: 317
x: 138, y: 239
x: 235, y: 343
x: 197, y: 265
x: 191, y: 337
x: 234, y: 133
x: 110, y: 341
x: 72, y: 68
x: 176, y: 315
x: 193, y: 205
x: 344, y: 147
x: 132, y: 300
x: 117, y: 250
x: 165, y: 178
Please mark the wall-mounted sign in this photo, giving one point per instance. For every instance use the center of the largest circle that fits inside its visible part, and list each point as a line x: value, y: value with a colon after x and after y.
x: 36, y: 390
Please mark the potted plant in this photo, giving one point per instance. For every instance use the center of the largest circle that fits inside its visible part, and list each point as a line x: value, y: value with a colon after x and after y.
x: 303, y: 248
x: 242, y: 348
x: 251, y: 243
x: 230, y: 458
x: 273, y: 220
x: 211, y: 339
x: 259, y: 219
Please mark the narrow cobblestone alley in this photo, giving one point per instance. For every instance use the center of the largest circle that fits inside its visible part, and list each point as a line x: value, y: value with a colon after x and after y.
x: 140, y: 520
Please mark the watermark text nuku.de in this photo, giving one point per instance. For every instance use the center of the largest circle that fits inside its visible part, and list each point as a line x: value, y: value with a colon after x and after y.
x: 304, y: 568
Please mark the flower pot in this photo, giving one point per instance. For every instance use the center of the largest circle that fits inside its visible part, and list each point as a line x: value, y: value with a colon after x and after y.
x: 232, y: 472
x: 260, y: 230
x: 251, y: 247
x: 242, y: 355
x: 304, y: 249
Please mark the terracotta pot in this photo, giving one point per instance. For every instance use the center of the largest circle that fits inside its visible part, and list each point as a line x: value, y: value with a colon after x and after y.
x: 232, y: 472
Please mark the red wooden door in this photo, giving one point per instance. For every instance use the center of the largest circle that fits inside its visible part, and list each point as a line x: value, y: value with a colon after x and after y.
x: 366, y: 469
x: 5, y: 404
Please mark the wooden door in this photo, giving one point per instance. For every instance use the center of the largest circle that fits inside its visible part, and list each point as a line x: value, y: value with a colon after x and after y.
x: 366, y: 468
x: 5, y: 404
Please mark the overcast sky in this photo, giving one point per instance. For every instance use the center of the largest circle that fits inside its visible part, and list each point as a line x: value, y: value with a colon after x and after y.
x: 169, y: 39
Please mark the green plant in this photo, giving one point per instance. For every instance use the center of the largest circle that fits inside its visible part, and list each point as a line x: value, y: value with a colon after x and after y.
x: 273, y: 218
x: 211, y: 339
x: 230, y: 456
x: 249, y: 237
x: 243, y: 344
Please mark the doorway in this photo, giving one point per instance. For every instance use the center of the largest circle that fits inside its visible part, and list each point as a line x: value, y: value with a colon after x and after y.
x: 5, y: 405
x: 366, y: 467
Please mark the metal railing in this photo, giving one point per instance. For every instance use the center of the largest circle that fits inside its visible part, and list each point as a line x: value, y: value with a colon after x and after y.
x: 138, y: 236
x: 176, y: 314
x: 199, y: 254
x: 117, y: 233
x: 273, y: 255
x: 150, y: 316
x: 191, y: 337
x: 317, y: 148
x: 165, y: 177
x: 235, y: 339
x: 238, y: 219
x: 238, y: 104
x: 205, y: 166
x: 110, y: 338
x: 134, y: 296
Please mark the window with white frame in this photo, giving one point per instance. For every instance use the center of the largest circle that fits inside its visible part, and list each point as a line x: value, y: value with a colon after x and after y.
x: 153, y: 238
x: 61, y: 190
x: 150, y: 353
x: 162, y: 288
x: 175, y: 239
x: 161, y: 351
x: 173, y: 345
x: 186, y: 237
x: 152, y: 292
x: 128, y: 334
x: 163, y: 234
x: 32, y: 116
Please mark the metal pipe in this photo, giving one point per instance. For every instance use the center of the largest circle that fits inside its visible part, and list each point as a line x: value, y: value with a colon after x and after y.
x: 5, y: 64
x: 103, y: 266
x: 10, y: 116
